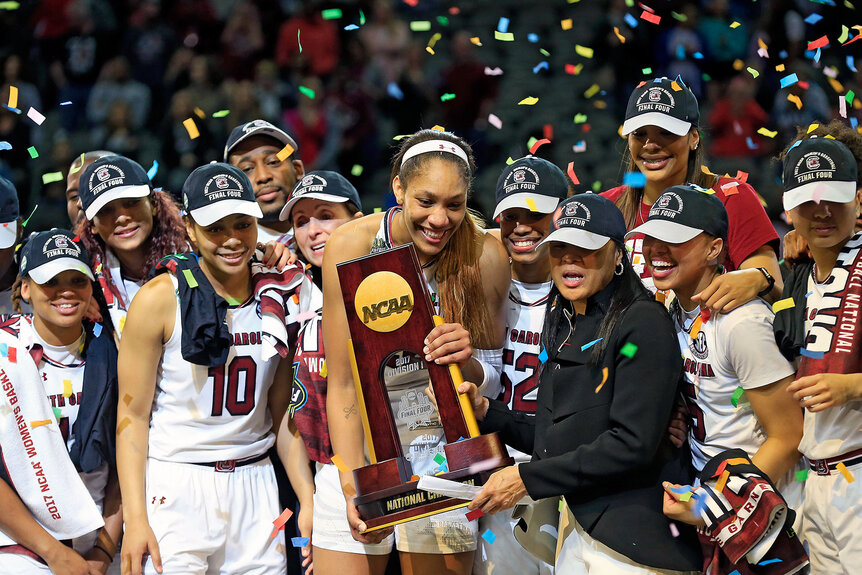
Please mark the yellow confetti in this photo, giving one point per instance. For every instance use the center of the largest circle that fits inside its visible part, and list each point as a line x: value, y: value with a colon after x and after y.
x: 685, y: 496
x: 695, y: 328
x: 706, y: 171
x: 121, y: 427
x: 323, y: 371
x: 845, y: 472
x: 339, y: 463
x: 504, y: 36
x: 191, y: 128
x: 620, y: 37
x: 531, y: 204
x: 734, y: 25
x: 285, y: 152
x: 41, y: 422
x: 78, y: 164
x: 722, y: 481
x: 199, y: 113
x: 604, y: 379
x: 528, y: 101
x: 430, y: 50
x: 67, y: 388
x: 779, y: 68
x: 676, y: 87
x: 583, y: 51
x: 566, y: 24
x: 476, y: 41
x: 781, y: 304
x: 122, y: 324
x: 836, y: 85
x: 812, y: 127
x: 754, y: 73
x: 13, y: 97
x: 761, y: 43
x: 592, y: 91
x: 767, y: 133
x: 795, y: 99
x: 439, y: 128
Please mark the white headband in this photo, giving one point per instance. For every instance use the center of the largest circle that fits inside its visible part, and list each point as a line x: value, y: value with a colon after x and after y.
x: 435, y: 146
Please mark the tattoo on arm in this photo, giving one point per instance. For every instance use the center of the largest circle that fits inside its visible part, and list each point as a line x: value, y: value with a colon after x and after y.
x: 348, y: 411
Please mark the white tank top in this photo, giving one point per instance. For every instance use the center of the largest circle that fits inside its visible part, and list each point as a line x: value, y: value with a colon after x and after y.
x: 205, y: 414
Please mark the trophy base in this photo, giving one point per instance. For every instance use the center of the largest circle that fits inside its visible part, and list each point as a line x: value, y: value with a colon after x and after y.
x: 400, y: 501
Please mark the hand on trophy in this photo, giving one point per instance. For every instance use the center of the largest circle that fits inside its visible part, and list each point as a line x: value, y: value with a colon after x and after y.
x: 479, y: 402
x: 448, y: 343
x: 503, y: 490
x: 358, y: 527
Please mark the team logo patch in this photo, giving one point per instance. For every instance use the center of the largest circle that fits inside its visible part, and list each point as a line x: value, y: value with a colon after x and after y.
x: 59, y: 245
x: 298, y: 393
x: 519, y: 176
x: 812, y: 163
x: 222, y: 187
x: 698, y: 346
x: 521, y: 179
x: 814, y: 166
x: 256, y: 125
x: 310, y: 183
x: 105, y: 177
x: 656, y: 99
x: 572, y: 215
x: 221, y: 182
x: 668, y: 206
x: 103, y: 174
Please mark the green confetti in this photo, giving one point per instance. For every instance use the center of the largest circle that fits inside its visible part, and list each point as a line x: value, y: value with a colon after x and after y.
x: 597, y: 185
x: 331, y: 14
x: 377, y: 210
x: 544, y: 52
x: 307, y: 92
x: 447, y: 96
x: 234, y: 301
x: 531, y: 141
x: 509, y: 161
x: 802, y: 475
x: 629, y: 350
x: 580, y: 118
x: 560, y: 506
x: 754, y: 73
x: 679, y: 17
x: 630, y: 3
x: 845, y: 32
x: 685, y: 496
x: 439, y: 459
x: 221, y: 113
x: 57, y: 413
x: 849, y: 96
x: 361, y: 17
x: 737, y: 395
x: 9, y: 5
x: 401, y: 137
x: 51, y: 177
x: 646, y: 71
x: 356, y: 170
x: 504, y: 36
x: 420, y: 25
x: 297, y: 40
x: 443, y: 20
x: 34, y: 153
x: 24, y: 223
x: 706, y: 77
x: 190, y: 279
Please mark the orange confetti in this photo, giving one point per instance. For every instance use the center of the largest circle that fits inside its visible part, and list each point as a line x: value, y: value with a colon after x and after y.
x: 845, y: 472
x: 280, y: 521
x: 604, y: 379
x: 538, y: 144
x: 285, y: 152
x: 722, y: 481
x: 620, y: 37
x: 123, y: 425
x: 795, y: 99
x: 566, y: 24
x: 40, y: 422
x: 695, y: 328
x: 339, y: 463
x: 572, y: 175
x: 191, y: 128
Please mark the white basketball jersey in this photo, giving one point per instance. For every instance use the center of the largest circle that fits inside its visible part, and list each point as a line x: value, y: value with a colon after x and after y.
x: 525, y: 317
x: 205, y: 414
x: 731, y: 351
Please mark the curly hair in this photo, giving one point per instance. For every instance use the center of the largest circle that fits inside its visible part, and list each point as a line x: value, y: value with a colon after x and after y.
x: 167, y: 237
x: 838, y: 130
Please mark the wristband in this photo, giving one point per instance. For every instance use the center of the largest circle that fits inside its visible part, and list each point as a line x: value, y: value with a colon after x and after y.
x: 769, y: 280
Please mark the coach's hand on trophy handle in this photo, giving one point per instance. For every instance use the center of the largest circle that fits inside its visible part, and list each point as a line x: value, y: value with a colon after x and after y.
x: 448, y: 343
x: 479, y: 402
x: 358, y: 527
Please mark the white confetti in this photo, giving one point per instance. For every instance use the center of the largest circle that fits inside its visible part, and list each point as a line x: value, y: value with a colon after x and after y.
x: 34, y: 115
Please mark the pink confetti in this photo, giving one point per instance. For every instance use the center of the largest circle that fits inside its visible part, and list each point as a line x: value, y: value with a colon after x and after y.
x: 817, y: 194
x: 673, y: 530
x: 495, y: 121
x: 34, y: 115
x: 762, y: 53
x: 485, y: 465
x: 305, y: 315
x: 842, y: 106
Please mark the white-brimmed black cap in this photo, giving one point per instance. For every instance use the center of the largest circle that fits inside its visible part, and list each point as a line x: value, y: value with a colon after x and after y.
x: 531, y: 183
x: 321, y: 185
x: 257, y: 128
x: 217, y: 190
x: 9, y: 214
x: 681, y: 213
x: 668, y: 104
x: 47, y: 254
x: 818, y: 169
x: 588, y: 221
x: 111, y: 178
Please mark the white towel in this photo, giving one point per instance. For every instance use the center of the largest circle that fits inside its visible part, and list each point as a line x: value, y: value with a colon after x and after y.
x: 34, y: 452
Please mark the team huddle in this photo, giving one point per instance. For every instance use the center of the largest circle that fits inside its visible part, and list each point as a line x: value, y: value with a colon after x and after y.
x: 675, y: 400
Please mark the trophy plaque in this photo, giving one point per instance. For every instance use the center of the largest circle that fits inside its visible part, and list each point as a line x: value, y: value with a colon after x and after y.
x: 389, y: 313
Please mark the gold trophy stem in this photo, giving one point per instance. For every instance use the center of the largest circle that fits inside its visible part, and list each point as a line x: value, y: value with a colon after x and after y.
x: 463, y: 398
x: 361, y: 400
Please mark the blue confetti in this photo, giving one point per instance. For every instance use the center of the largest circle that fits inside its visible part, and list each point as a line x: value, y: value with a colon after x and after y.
x: 680, y: 490
x: 782, y: 54
x: 809, y: 293
x: 299, y: 541
x: 680, y: 82
x: 634, y: 179
x: 393, y: 90
x: 789, y: 80
x: 4, y: 145
x: 854, y: 122
x: 16, y: 110
x: 540, y: 66
x: 817, y: 55
x: 812, y: 19
x: 154, y: 169
x: 587, y: 346
x: 734, y: 572
x: 750, y: 143
x: 543, y: 357
x: 697, y: 56
x: 350, y: 27
x: 769, y: 561
x: 66, y: 103
x: 533, y: 38
x: 631, y: 21
x: 4, y: 349
x: 503, y: 25
x: 811, y: 354
x: 796, y: 143
x: 97, y: 329
x: 851, y: 65
x: 680, y: 52
x: 489, y: 537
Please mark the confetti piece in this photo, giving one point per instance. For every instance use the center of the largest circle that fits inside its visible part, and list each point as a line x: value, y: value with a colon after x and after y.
x: 646, y: 71
x: 24, y: 223
x: 489, y: 537
x: 40, y: 422
x: 504, y: 36
x: 531, y: 204
x: 771, y: 561
x: 849, y: 96
x: 813, y: 19
x: 779, y: 68
x: 51, y: 177
x: 528, y: 101
x: 538, y: 144
x: 619, y: 36
x: 221, y: 113
x: 566, y: 24
x: 629, y: 349
x: 722, y: 481
x: 587, y: 346
x: 754, y: 73
x: 851, y: 65
x: 333, y: 14
x: 190, y: 279
x: 307, y: 92
x: 4, y: 145
x: 356, y: 170
x: 15, y: 110
x: 495, y: 121
x: 685, y: 496
x: 533, y: 38
x: 650, y: 17
x: 493, y: 71
x: 604, y: 379
x: 300, y: 541
x: 583, y: 51
x: 9, y: 5
x: 97, y: 329
x: 631, y: 21
x: 802, y: 475
x: 734, y: 25
x: 673, y: 529
x: 191, y: 128
x: 475, y: 40
x: 543, y: 356
x: 475, y: 514
x: 503, y: 25
x: 34, y: 153
x: 730, y: 188
x: 592, y: 91
x: 279, y: 522
x: 795, y: 100
x: 695, y: 328
x: 737, y: 395
x: 339, y: 463
x: 298, y: 43
x: 781, y: 304
x: 634, y: 180
x: 811, y: 354
x: 199, y: 113
x: 34, y: 115
x: 767, y: 133
x: 154, y: 169
x: 821, y: 42
x: 789, y: 80
x: 750, y: 143
x: 439, y: 459
x: 13, y: 97
x: 540, y: 66
x: 842, y: 109
x: 447, y: 96
x: 285, y: 152
x: 67, y: 388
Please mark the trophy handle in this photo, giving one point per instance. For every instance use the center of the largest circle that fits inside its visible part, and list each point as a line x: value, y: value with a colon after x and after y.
x: 463, y: 399
x: 360, y: 398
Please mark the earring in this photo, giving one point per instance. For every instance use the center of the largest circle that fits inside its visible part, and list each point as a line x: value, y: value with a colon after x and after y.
x: 619, y: 269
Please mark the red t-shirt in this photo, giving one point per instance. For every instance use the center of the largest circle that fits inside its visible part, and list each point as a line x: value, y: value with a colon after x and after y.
x: 749, y: 228
x: 308, y: 396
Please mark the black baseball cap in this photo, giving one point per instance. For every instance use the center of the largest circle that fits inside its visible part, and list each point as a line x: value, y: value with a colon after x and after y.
x: 47, y: 254
x: 257, y: 128
x: 9, y: 214
x: 321, y: 185
x: 819, y: 169
x: 531, y: 183
x: 588, y: 221
x: 668, y: 104
x: 111, y: 178
x: 217, y: 190
x: 681, y: 213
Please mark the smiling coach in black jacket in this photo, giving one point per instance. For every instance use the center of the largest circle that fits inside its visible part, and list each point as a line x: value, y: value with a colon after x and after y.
x: 599, y: 436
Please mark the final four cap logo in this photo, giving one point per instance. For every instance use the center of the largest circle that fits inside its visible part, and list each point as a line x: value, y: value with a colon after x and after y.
x: 819, y: 169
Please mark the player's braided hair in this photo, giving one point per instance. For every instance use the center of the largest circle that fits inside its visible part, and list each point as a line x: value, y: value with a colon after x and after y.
x: 459, y: 279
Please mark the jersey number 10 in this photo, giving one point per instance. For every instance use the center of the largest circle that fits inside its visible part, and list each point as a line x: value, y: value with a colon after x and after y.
x: 226, y: 390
